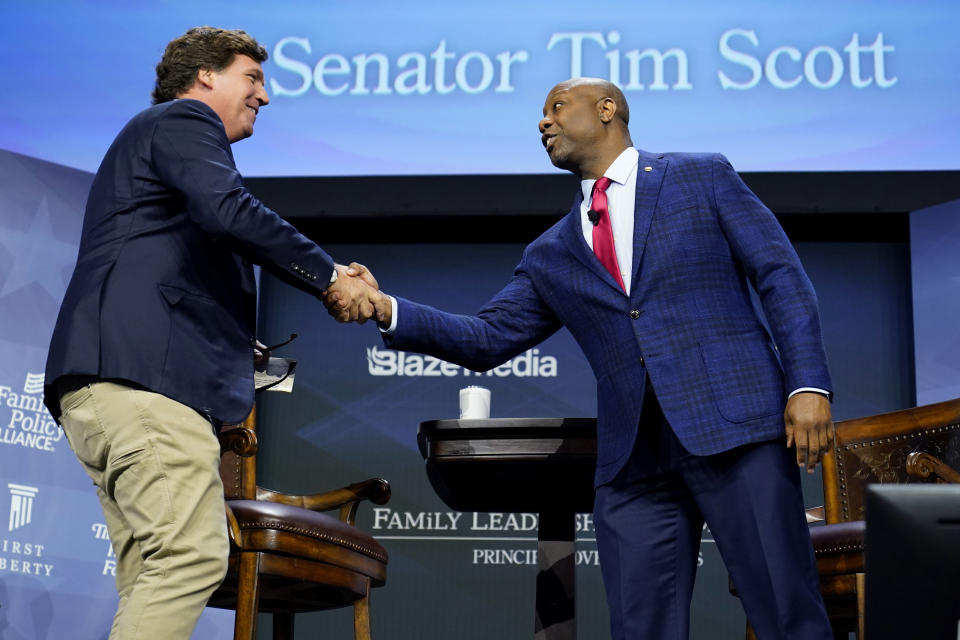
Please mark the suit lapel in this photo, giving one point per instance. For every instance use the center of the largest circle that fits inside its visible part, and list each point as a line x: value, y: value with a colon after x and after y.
x: 648, y: 191
x: 572, y: 234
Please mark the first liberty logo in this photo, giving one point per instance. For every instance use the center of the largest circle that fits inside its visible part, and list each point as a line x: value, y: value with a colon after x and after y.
x: 21, y: 505
x: 17, y: 556
x: 26, y: 422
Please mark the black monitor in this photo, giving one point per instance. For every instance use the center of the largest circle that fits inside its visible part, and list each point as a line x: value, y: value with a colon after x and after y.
x: 912, y: 555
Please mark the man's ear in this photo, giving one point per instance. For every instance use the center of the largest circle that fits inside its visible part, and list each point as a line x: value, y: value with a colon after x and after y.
x: 205, y: 78
x: 606, y: 109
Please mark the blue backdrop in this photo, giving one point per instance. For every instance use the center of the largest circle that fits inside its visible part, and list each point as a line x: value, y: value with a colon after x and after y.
x: 935, y: 264
x: 422, y: 88
x: 405, y: 88
x: 353, y: 416
x: 56, y: 564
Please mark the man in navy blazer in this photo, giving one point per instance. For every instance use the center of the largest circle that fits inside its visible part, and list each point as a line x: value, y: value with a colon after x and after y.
x: 698, y: 401
x: 155, y: 337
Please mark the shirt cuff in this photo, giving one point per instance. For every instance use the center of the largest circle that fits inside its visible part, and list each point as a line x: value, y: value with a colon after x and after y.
x: 333, y: 277
x: 393, y: 317
x: 822, y: 392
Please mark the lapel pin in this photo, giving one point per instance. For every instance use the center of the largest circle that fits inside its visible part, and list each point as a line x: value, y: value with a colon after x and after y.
x: 648, y: 169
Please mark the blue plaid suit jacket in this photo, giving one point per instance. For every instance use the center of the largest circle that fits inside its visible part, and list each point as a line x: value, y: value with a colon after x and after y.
x: 700, y: 236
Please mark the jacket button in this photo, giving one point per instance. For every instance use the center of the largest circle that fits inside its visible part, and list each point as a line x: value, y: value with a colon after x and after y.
x: 642, y: 362
x: 634, y: 314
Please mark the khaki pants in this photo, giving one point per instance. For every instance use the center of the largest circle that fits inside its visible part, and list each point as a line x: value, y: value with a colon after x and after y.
x: 155, y: 463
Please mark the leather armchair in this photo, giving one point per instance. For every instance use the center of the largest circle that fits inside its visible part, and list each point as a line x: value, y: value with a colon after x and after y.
x: 921, y: 444
x: 286, y: 556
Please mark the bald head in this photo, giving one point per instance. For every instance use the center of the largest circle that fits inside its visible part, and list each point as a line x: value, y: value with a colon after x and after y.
x: 584, y: 125
x: 601, y: 89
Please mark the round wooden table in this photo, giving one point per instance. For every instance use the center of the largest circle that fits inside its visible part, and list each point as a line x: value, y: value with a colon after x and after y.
x: 542, y: 465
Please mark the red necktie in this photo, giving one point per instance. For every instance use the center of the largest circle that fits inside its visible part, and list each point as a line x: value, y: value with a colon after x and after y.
x: 603, y: 231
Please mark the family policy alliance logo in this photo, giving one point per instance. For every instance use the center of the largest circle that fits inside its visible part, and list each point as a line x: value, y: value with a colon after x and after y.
x: 25, y: 420
x: 385, y: 362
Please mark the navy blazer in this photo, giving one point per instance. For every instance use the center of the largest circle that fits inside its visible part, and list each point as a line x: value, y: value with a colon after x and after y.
x: 700, y: 235
x: 163, y: 294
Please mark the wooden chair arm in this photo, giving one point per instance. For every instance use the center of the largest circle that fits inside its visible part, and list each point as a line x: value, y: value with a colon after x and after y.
x: 921, y: 465
x: 240, y: 441
x: 376, y: 490
x: 233, y: 527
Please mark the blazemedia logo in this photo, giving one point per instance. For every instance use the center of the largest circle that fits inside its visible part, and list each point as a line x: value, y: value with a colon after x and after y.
x: 385, y: 362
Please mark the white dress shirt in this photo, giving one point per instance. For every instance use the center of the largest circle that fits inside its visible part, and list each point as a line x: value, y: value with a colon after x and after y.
x: 621, y: 195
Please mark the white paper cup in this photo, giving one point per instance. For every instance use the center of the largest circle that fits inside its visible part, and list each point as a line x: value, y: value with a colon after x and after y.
x: 474, y: 402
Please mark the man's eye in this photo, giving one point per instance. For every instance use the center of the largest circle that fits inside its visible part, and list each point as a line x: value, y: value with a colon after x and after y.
x: 557, y: 105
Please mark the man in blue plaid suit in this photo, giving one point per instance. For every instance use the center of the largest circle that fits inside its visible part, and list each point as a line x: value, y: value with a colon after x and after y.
x: 699, y: 403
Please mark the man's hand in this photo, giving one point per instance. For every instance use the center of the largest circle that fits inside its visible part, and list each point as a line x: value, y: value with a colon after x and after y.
x: 809, y: 426
x: 352, y: 297
x: 384, y: 311
x: 261, y: 354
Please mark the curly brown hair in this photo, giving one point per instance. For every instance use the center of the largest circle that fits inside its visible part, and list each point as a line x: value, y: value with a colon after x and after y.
x: 200, y: 48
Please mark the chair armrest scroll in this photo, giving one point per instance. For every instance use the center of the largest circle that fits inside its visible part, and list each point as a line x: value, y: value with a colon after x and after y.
x: 922, y: 465
x: 240, y: 441
x: 376, y: 490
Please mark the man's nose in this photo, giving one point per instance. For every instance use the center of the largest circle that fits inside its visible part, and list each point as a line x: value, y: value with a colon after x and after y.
x: 544, y: 123
x: 262, y: 96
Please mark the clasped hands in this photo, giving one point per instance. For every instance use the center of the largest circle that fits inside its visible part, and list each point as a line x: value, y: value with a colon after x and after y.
x: 355, y: 296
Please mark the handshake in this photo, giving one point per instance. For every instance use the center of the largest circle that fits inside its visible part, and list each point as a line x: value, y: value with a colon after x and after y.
x: 355, y: 296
